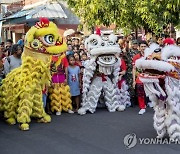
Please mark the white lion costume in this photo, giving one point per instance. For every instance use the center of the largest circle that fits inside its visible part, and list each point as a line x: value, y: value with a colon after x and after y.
x: 101, y: 74
x: 161, y: 80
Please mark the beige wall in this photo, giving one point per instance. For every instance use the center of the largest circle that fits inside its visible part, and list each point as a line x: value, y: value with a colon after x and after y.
x: 28, y: 2
x: 62, y: 28
x: 16, y: 6
x: 16, y: 37
x: 10, y: 1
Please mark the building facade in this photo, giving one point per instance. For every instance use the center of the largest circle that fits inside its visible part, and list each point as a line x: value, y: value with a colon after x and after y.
x: 22, y: 14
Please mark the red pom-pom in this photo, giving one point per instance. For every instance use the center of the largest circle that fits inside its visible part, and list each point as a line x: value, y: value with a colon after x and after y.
x: 44, y: 20
x: 98, y: 31
x: 169, y: 41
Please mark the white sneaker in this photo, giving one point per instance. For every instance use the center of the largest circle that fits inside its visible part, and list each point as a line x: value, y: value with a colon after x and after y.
x: 70, y: 111
x: 58, y: 113
x: 82, y: 111
x: 121, y: 108
x: 142, y: 111
x: 150, y: 104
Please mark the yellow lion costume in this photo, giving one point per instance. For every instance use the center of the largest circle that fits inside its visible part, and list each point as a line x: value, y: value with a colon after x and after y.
x: 21, y: 90
x: 59, y: 92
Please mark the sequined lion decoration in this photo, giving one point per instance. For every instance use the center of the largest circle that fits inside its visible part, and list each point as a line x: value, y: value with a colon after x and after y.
x: 101, y: 74
x: 161, y: 79
x: 21, y: 90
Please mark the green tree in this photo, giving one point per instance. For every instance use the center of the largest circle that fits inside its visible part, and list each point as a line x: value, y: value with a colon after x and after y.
x: 159, y: 13
x: 129, y: 14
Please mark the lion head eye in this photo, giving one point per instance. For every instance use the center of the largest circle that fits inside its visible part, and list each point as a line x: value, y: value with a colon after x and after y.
x: 49, y: 39
x: 94, y: 41
x: 173, y: 57
x: 35, y: 44
x: 102, y: 44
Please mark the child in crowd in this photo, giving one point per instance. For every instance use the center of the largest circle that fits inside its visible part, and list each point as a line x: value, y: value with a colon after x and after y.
x: 84, y: 59
x: 69, y: 42
x: 69, y: 50
x: 81, y: 52
x: 73, y: 80
x: 81, y: 47
x: 73, y: 42
x: 77, y: 59
x: 76, y: 43
x: 75, y: 49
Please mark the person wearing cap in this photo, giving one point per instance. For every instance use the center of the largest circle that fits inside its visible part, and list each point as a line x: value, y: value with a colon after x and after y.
x: 21, y: 41
x: 128, y: 57
x: 168, y: 41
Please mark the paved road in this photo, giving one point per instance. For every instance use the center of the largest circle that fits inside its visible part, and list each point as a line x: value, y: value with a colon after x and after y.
x: 99, y: 133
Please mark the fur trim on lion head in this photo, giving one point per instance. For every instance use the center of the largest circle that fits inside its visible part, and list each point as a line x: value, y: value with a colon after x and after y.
x: 44, y: 38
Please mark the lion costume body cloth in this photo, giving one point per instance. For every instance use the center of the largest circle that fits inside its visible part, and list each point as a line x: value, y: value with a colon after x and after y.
x: 21, y: 90
x: 101, y: 74
x: 161, y: 78
x: 59, y: 92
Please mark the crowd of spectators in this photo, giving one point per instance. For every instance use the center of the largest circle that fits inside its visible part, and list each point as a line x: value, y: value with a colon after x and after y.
x: 77, y: 56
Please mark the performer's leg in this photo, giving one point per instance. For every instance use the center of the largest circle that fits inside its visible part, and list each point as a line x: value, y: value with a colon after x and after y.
x: 173, y: 120
x: 77, y: 101
x: 124, y: 99
x: 10, y: 114
x: 25, y: 110
x: 173, y: 108
x: 55, y: 97
x: 141, y: 101
x: 38, y: 110
x: 111, y: 95
x: 141, y: 98
x: 159, y: 117
x: 9, y: 105
x: 90, y: 100
x: 66, y: 98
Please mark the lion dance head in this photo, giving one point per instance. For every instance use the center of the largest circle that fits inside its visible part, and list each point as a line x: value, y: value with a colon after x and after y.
x: 161, y: 79
x: 44, y: 38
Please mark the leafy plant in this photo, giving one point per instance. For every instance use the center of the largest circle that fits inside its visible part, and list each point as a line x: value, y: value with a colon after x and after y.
x: 152, y: 15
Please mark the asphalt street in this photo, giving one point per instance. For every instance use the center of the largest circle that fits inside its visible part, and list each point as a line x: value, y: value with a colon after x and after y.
x: 98, y: 133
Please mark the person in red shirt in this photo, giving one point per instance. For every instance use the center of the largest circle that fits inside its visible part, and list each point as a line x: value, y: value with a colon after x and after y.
x: 64, y: 62
x: 136, y: 81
